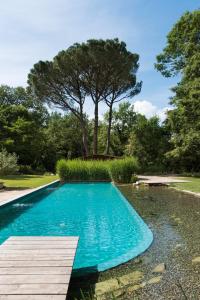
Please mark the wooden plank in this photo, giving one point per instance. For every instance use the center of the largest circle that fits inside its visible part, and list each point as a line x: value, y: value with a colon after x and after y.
x: 38, y: 251
x: 33, y: 297
x: 34, y: 257
x: 36, y: 270
x: 43, y: 238
x: 29, y: 242
x: 34, y: 289
x: 36, y: 247
x: 20, y: 279
x: 36, y: 263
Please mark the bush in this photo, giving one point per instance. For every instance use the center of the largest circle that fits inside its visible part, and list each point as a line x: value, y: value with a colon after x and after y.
x: 121, y: 170
x: 8, y: 163
x: 25, y: 169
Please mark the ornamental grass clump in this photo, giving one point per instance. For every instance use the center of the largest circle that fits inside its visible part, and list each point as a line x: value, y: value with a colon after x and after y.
x: 99, y: 171
x: 118, y: 170
x: 122, y: 170
x: 81, y: 170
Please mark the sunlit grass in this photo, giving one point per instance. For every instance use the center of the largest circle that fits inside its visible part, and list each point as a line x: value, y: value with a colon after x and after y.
x: 193, y: 185
x: 27, y: 181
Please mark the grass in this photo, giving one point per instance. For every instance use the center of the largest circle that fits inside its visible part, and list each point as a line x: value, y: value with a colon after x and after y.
x: 119, y: 170
x: 26, y: 181
x: 193, y: 185
x: 81, y: 170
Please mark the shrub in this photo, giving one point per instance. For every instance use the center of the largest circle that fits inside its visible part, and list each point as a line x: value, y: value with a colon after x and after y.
x: 8, y: 163
x: 134, y: 179
x: 25, y: 169
x: 121, y: 170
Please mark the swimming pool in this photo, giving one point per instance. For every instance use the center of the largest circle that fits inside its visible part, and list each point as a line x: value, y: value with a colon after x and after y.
x: 110, y: 230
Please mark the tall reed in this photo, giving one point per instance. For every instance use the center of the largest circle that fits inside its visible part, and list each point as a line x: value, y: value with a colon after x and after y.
x: 118, y: 170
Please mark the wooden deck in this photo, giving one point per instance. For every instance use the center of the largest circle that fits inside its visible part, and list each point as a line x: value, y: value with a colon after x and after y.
x: 36, y: 268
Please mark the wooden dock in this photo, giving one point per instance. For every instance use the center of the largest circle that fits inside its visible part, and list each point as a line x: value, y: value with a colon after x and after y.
x: 36, y: 268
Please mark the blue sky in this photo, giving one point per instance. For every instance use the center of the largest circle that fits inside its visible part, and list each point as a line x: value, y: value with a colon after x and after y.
x: 38, y: 29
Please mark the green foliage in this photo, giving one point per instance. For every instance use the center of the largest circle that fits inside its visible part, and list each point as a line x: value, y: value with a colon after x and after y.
x: 103, y: 70
x: 121, y: 170
x: 134, y: 178
x: 62, y: 139
x: 123, y: 121
x: 8, y: 163
x: 81, y: 170
x: 21, y: 133
x: 182, y: 45
x: 182, y: 55
x: 148, y: 142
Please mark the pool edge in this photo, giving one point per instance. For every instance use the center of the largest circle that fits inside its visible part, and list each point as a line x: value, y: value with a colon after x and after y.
x: 40, y: 188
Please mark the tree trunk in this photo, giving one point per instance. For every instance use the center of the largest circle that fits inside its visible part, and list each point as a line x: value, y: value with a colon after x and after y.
x: 96, y: 124
x: 83, y: 124
x: 85, y: 140
x: 109, y: 131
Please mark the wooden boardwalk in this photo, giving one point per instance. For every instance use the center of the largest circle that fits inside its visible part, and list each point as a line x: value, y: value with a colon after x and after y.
x: 36, y: 268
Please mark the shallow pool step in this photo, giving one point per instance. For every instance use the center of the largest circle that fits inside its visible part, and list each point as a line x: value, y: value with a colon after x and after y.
x: 36, y: 268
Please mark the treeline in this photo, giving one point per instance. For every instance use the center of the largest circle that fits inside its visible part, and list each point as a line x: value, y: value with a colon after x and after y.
x: 104, y: 71
x: 40, y: 137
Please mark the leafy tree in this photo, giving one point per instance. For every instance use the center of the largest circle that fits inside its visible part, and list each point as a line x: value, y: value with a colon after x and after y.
x: 110, y: 75
x: 21, y: 133
x: 124, y: 119
x: 122, y: 81
x: 183, y: 42
x: 59, y: 83
x: 99, y: 69
x: 19, y: 96
x: 182, y: 55
x: 148, y: 141
x: 10, y: 95
x: 62, y: 139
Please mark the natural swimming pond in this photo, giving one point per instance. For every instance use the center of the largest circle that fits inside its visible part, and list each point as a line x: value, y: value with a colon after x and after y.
x: 174, y: 218
x: 110, y: 230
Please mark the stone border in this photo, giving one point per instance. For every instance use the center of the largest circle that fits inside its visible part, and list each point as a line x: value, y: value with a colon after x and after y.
x: 4, y: 203
x: 185, y: 191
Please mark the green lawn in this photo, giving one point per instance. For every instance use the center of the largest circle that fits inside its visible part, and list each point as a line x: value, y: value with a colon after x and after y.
x: 193, y: 185
x: 27, y: 181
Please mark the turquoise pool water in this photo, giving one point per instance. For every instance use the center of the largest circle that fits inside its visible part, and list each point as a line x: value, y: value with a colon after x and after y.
x: 110, y: 230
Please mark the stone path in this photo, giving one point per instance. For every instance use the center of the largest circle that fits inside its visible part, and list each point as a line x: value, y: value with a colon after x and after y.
x: 159, y: 179
x: 5, y: 195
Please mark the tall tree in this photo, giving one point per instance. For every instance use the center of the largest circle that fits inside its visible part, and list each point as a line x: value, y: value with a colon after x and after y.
x: 122, y: 81
x: 110, y: 75
x: 59, y: 83
x: 182, y: 56
x: 124, y: 118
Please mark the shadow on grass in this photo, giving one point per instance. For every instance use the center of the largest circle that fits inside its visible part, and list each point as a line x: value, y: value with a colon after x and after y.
x: 19, y: 177
x: 82, y: 284
x: 17, y: 188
